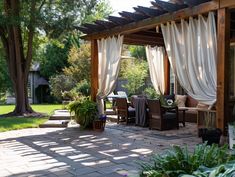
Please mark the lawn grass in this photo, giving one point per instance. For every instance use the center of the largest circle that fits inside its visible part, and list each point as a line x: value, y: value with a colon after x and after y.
x: 42, y: 108
x: 15, y: 123
x: 108, y: 105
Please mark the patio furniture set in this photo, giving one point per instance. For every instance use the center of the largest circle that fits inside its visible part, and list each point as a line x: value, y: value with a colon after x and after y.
x: 152, y: 113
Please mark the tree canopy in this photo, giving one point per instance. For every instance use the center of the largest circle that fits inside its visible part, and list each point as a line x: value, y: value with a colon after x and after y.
x: 22, y: 21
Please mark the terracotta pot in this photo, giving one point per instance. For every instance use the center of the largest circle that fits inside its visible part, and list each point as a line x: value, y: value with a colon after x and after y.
x: 99, y: 125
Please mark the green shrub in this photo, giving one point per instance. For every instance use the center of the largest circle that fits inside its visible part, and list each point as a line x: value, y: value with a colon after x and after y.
x: 225, y: 170
x: 151, y: 93
x: 83, y: 87
x: 85, y: 111
x: 178, y: 161
x: 60, y: 84
x: 136, y: 75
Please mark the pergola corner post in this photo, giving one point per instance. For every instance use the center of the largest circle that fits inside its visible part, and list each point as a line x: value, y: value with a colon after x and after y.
x: 222, y: 64
x: 94, y: 69
x: 167, y: 74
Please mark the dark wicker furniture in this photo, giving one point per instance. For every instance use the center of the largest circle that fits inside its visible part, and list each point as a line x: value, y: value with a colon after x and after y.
x: 124, y: 111
x: 162, y: 118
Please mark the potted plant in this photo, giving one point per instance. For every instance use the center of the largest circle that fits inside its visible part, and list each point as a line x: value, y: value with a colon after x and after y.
x: 99, y: 124
x: 85, y: 111
x: 209, y: 133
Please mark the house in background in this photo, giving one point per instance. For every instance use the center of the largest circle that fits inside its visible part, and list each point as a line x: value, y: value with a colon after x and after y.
x: 38, y: 87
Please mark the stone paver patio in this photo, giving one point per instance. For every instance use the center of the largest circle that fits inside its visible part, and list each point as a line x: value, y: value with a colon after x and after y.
x: 71, y: 152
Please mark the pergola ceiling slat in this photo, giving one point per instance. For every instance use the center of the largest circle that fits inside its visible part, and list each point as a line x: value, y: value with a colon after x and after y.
x: 94, y: 27
x: 177, y: 1
x: 84, y: 29
x: 133, y: 16
x: 144, y: 18
x: 192, y: 3
x: 106, y: 24
x: 170, y: 7
x: 149, y: 11
x: 119, y: 20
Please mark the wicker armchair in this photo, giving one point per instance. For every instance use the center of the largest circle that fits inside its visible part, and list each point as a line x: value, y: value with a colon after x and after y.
x: 162, y: 118
x: 124, y: 111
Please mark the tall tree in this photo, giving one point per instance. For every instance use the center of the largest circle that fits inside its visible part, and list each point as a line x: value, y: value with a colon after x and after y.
x: 20, y: 20
x: 79, y: 63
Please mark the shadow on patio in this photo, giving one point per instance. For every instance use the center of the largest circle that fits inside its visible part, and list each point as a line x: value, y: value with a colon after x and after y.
x: 72, y: 152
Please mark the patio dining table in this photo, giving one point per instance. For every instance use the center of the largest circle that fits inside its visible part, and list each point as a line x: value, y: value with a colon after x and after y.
x: 116, y: 96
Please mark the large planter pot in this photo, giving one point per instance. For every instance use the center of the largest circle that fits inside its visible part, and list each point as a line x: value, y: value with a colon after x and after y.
x: 99, y: 125
x: 231, y: 133
x: 212, y: 136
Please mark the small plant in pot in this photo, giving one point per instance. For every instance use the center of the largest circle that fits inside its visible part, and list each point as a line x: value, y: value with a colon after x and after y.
x: 99, y: 124
x: 210, y: 133
x: 85, y: 111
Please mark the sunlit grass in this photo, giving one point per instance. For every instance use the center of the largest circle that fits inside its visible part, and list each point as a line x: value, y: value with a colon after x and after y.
x: 15, y: 123
x: 42, y: 108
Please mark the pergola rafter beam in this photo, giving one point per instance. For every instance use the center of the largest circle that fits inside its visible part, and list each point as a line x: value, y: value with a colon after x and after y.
x: 149, y: 33
x: 148, y: 11
x: 192, y: 3
x: 94, y: 27
x: 84, y: 29
x: 150, y: 23
x: 106, y: 24
x: 170, y: 7
x: 133, y: 16
x: 145, y: 37
x: 119, y: 20
x: 141, y: 42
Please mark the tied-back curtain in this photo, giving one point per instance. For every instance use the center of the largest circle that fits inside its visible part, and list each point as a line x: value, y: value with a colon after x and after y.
x: 192, y: 51
x: 155, y: 57
x: 109, y: 55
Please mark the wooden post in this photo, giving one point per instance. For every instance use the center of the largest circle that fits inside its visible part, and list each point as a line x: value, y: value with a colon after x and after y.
x: 167, y: 74
x: 94, y: 69
x: 222, y: 67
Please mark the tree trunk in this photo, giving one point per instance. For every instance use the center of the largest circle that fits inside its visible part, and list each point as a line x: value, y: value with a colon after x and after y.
x: 17, y: 63
x: 19, y: 73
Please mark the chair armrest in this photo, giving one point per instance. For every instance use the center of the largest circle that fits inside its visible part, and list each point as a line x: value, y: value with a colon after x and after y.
x: 169, y: 108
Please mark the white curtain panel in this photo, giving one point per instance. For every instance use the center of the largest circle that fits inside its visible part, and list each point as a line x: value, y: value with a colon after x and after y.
x: 109, y: 55
x: 155, y: 57
x: 192, y: 51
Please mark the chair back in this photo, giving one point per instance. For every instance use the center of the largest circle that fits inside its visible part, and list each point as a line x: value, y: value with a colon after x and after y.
x: 110, y: 98
x: 154, y: 106
x: 122, y: 106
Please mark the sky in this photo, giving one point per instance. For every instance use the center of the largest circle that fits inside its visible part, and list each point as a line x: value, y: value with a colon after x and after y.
x: 127, y: 5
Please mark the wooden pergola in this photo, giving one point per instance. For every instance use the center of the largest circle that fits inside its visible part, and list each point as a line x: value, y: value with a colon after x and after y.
x: 139, y: 28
